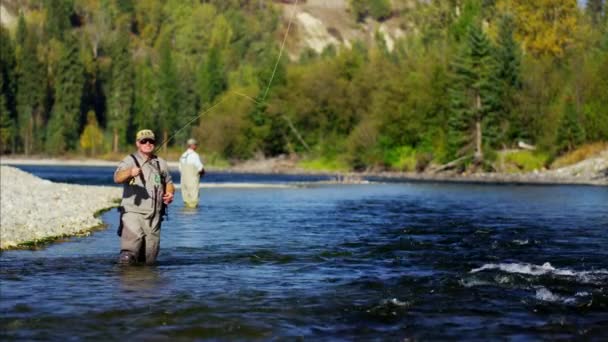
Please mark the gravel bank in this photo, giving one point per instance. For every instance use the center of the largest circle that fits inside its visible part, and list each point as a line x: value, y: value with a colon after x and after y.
x: 33, y: 209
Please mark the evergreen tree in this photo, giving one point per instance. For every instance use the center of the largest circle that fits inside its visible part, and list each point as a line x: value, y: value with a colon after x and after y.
x: 168, y: 102
x: 570, y: 132
x: 146, y: 97
x: 31, y: 92
x: 6, y: 121
x: 508, y: 74
x: 58, y: 14
x: 64, y: 124
x: 120, y: 98
x: 211, y: 78
x: 21, y: 33
x: 7, y: 92
x: 188, y: 106
x: 473, y: 95
x: 594, y: 10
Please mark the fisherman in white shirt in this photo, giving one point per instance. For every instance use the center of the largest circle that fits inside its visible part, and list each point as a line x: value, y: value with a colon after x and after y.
x: 191, y: 169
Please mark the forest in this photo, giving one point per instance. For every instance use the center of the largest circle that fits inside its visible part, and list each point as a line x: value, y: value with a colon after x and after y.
x: 469, y: 80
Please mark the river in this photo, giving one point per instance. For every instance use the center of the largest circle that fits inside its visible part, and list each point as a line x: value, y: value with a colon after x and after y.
x: 387, y: 261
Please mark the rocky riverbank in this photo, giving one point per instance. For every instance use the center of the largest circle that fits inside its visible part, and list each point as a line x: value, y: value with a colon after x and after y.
x: 33, y: 209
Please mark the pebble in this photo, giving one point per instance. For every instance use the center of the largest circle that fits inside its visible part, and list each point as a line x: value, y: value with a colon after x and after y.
x: 33, y: 209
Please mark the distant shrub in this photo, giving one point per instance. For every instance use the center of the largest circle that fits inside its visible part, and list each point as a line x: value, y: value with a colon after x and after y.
x: 525, y: 161
x: 402, y: 158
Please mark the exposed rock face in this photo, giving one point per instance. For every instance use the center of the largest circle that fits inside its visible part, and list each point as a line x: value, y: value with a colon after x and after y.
x: 33, y: 209
x: 321, y: 23
x: 592, y: 168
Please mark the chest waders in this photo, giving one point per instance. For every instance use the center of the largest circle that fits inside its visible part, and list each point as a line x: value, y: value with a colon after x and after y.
x: 164, y: 212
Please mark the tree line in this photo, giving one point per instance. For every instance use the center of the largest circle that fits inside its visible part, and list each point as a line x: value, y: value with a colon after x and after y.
x: 467, y: 79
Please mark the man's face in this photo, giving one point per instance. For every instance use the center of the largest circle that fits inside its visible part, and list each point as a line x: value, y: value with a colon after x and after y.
x: 146, y: 145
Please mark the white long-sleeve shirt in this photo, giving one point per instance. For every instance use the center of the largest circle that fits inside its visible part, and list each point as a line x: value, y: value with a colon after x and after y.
x: 192, y: 158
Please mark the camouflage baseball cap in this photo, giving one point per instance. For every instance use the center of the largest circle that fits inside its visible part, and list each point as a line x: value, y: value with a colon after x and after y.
x: 144, y: 134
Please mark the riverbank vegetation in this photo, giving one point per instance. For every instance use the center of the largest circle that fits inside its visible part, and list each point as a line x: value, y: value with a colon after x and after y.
x: 468, y: 80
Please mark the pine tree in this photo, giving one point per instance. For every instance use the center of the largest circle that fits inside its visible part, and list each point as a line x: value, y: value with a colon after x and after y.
x: 146, y: 97
x: 6, y: 122
x: 188, y: 106
x: 64, y: 124
x: 21, y: 33
x: 570, y: 132
x: 473, y: 95
x: 31, y: 90
x: 508, y: 74
x: 7, y: 92
x: 58, y: 14
x: 211, y: 78
x: 168, y: 91
x: 594, y: 10
x: 120, y: 99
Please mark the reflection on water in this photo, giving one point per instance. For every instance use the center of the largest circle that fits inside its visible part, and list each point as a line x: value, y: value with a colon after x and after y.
x: 356, y: 262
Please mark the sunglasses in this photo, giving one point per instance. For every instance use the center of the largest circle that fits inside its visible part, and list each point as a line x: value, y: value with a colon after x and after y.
x: 147, y: 141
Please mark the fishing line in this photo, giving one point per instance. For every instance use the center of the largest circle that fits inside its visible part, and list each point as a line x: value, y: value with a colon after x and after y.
x: 295, y: 7
x: 293, y: 14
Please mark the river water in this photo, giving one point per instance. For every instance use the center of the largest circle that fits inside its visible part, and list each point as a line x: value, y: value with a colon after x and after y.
x: 387, y: 261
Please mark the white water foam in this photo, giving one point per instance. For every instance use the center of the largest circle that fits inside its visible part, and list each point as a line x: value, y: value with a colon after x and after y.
x: 397, y: 302
x: 547, y: 296
x: 546, y: 268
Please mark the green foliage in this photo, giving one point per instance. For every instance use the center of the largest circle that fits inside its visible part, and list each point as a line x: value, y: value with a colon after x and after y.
x: 402, y: 158
x: 30, y: 95
x: 508, y: 75
x: 7, y: 125
x: 7, y: 92
x: 58, y: 17
x: 168, y: 90
x: 525, y: 161
x: 211, y: 78
x: 120, y: 99
x: 146, y: 97
x: 64, y: 124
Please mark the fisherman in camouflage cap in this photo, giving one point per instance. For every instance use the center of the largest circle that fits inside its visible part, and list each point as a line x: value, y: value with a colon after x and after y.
x: 147, y: 190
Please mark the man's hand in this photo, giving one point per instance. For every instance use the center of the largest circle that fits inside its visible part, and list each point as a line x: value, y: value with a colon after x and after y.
x: 168, y: 197
x: 201, y: 172
x: 135, y: 171
x: 126, y: 175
